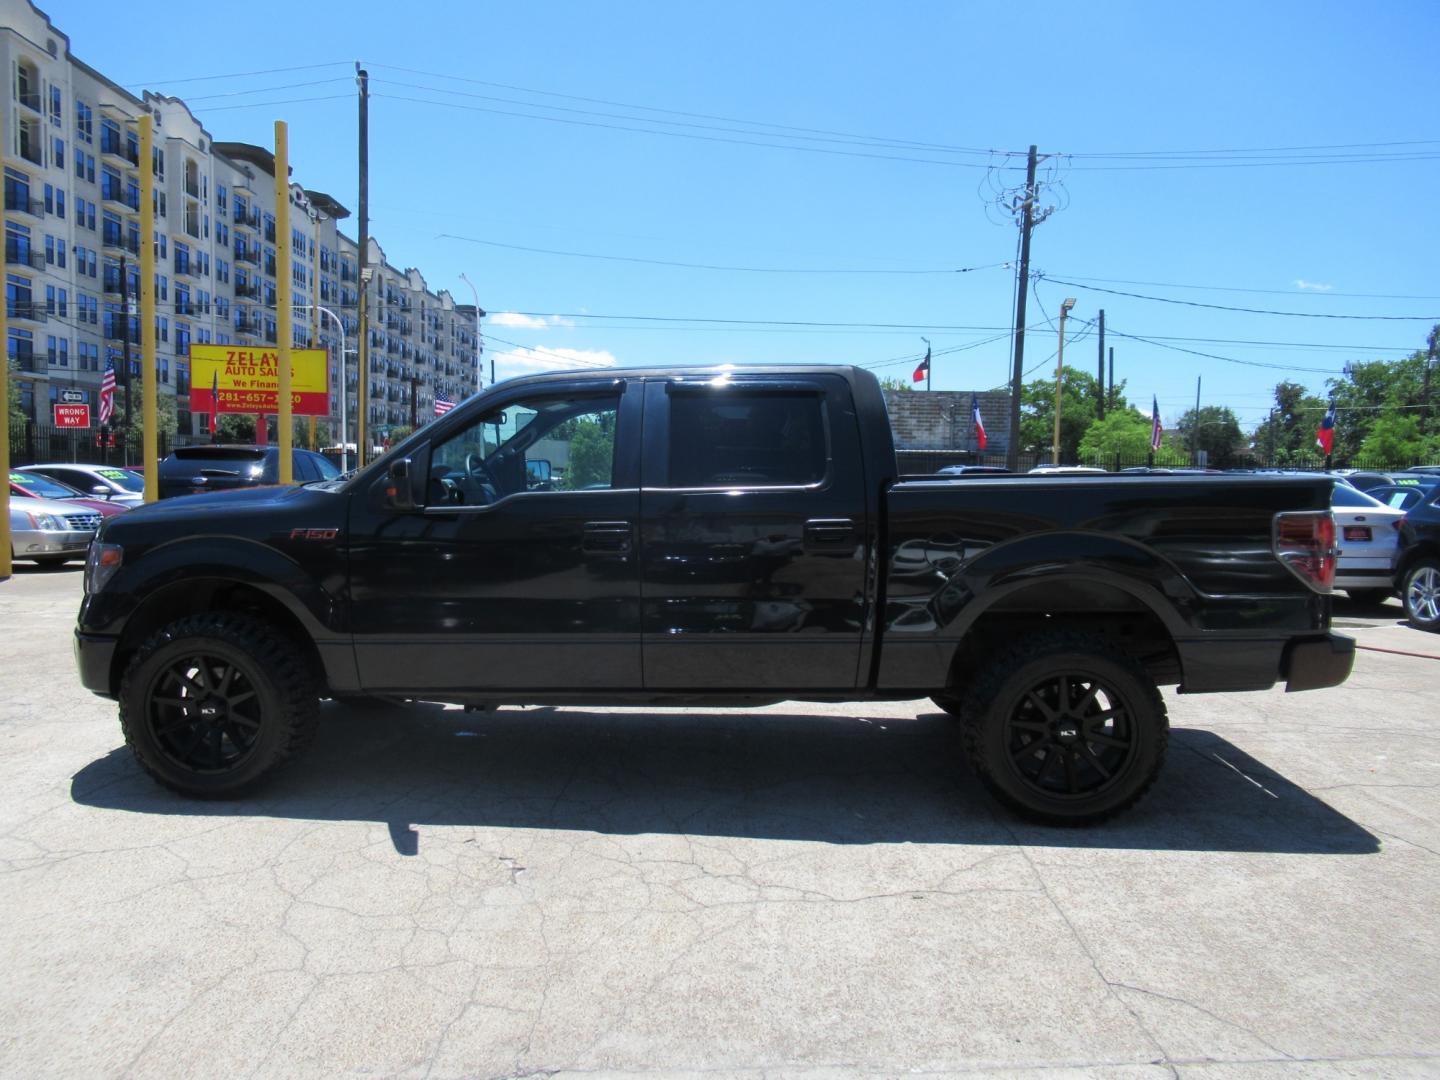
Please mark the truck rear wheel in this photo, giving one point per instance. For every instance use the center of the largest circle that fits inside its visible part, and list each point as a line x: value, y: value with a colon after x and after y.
x: 213, y: 704
x: 1066, y: 729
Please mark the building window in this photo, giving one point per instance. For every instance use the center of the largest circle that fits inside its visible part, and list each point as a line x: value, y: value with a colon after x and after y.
x: 56, y: 110
x: 58, y: 146
x: 84, y: 122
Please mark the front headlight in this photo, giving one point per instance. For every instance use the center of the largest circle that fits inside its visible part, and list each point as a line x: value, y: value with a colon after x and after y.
x: 100, y: 567
x: 46, y: 522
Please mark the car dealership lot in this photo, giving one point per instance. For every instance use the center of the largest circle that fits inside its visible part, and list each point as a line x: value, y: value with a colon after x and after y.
x: 801, y: 889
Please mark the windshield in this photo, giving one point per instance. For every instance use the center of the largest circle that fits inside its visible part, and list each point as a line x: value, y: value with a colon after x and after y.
x: 42, y: 486
x: 1345, y: 495
x: 130, y: 481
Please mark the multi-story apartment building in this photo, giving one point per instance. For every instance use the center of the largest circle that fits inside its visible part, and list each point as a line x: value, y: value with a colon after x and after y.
x: 72, y: 244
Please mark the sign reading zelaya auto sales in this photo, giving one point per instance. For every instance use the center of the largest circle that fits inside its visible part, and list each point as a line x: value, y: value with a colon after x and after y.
x: 247, y: 380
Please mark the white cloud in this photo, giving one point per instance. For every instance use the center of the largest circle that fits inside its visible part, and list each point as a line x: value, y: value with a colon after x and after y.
x: 514, y: 319
x: 1314, y: 286
x: 528, y: 322
x: 525, y: 361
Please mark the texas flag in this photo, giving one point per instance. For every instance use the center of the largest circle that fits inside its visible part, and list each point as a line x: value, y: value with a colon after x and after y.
x: 924, y: 369
x: 1325, y: 435
x: 979, y: 423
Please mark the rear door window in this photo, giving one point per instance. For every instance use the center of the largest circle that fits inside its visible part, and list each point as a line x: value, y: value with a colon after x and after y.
x: 739, y: 437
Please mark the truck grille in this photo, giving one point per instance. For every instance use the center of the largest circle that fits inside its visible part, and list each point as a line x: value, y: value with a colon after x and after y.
x: 83, y: 522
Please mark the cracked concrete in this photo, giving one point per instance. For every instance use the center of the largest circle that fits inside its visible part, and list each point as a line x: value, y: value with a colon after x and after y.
x: 798, y: 891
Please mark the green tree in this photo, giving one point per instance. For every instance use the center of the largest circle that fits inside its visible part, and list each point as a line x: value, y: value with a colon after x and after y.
x: 166, y: 416
x: 235, y: 428
x: 894, y: 382
x: 17, y: 414
x: 1287, y: 436
x: 1397, y: 439
x: 1124, y: 433
x: 592, y: 455
x: 1213, y: 429
x: 1078, y: 400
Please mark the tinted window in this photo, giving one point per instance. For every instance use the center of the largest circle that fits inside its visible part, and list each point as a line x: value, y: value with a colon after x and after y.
x: 1344, y: 495
x: 213, y: 461
x: 750, y: 438
x: 304, y: 469
x: 537, y: 444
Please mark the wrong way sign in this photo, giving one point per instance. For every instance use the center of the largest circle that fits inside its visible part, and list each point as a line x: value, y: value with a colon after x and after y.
x: 72, y: 416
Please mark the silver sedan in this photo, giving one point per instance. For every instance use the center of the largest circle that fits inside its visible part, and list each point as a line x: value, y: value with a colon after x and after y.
x: 50, y: 532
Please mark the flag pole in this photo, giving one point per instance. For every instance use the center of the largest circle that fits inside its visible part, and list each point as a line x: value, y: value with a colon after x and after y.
x: 927, y: 362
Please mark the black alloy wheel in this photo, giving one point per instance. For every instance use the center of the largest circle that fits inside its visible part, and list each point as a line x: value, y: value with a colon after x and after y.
x: 213, y: 704
x: 1065, y: 728
x: 204, y: 713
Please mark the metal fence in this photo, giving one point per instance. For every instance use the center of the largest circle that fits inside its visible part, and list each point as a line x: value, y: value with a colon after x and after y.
x: 32, y: 443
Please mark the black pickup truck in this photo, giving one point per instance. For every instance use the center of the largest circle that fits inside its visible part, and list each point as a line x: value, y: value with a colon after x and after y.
x: 709, y: 537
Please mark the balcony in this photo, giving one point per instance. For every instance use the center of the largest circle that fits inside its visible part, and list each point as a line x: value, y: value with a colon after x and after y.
x: 29, y: 98
x: 118, y: 147
x: 23, y: 255
x: 250, y: 221
x: 119, y: 196
x: 20, y: 205
x: 27, y: 311
x: 248, y: 325
x: 113, y: 238
x: 29, y: 145
x: 269, y: 232
x: 24, y: 358
x: 192, y: 186
x: 115, y: 330
x: 185, y: 266
x: 248, y: 292
x: 247, y: 255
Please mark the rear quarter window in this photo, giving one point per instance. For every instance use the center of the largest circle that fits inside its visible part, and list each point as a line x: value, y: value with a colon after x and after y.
x: 747, y: 438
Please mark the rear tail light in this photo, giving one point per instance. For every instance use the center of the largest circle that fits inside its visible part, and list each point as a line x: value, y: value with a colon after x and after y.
x: 1305, y: 542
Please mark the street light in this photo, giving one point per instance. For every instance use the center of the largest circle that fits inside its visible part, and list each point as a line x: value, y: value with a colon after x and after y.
x: 479, y: 376
x: 344, y: 390
x: 1059, y: 370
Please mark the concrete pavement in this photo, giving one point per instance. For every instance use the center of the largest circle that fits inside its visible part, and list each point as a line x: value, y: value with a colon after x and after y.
x: 808, y: 891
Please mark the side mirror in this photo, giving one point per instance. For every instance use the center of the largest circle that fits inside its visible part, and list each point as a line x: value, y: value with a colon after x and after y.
x: 537, y: 471
x: 399, y: 495
x: 101, y: 490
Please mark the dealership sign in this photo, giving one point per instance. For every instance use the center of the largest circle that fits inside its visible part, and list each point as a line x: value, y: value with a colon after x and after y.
x: 248, y: 380
x: 72, y: 415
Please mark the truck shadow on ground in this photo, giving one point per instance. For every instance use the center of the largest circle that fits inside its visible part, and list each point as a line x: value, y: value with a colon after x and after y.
x: 769, y: 775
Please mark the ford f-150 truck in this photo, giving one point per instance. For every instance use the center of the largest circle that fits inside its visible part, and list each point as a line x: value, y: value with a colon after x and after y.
x: 709, y: 536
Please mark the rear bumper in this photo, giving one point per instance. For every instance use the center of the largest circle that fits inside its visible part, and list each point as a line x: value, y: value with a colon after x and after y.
x: 1313, y: 664
x: 1304, y: 663
x: 94, y: 654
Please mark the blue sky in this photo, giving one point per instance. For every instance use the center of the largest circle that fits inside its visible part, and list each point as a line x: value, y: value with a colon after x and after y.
x: 1113, y: 78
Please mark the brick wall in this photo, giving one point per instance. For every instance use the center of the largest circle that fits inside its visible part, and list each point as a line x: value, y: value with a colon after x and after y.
x: 940, y: 419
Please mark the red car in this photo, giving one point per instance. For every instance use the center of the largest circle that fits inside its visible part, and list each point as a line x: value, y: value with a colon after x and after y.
x: 42, y: 487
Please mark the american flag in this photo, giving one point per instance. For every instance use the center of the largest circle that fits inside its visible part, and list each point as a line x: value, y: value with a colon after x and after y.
x: 443, y: 404
x: 107, y: 391
x: 1156, y: 428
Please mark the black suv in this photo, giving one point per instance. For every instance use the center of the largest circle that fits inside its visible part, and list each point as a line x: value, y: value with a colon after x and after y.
x: 1417, y: 572
x: 194, y: 470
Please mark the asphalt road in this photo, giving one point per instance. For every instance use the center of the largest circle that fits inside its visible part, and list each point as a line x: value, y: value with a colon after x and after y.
x: 799, y: 891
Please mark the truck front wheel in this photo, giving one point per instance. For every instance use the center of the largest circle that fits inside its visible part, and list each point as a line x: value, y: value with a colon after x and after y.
x: 1066, y: 729
x: 211, y: 705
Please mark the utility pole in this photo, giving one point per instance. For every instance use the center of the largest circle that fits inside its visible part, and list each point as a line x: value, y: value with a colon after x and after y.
x: 1065, y: 308
x: 1432, y: 351
x: 125, y: 357
x: 285, y: 313
x: 1100, y: 395
x: 414, y: 416
x: 1027, y: 224
x: 1195, y: 424
x: 149, y: 433
x: 1110, y: 391
x: 362, y: 389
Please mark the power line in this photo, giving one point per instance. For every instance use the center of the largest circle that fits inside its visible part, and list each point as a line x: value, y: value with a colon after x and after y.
x: 239, y: 74
x: 680, y: 134
x: 752, y: 322
x: 1249, y: 311
x: 268, y: 89
x: 1227, y: 359
x: 707, y: 266
x: 1271, y: 292
x: 879, y: 140
x: 283, y: 101
x: 547, y: 352
x: 1256, y: 149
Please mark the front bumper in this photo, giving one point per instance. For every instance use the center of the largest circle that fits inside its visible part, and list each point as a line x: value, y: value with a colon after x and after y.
x: 28, y: 543
x: 1315, y: 663
x: 94, y: 656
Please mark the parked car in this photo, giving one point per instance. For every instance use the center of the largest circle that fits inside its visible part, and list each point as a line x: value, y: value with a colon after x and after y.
x: 972, y: 470
x: 1367, y: 535
x: 1399, y: 496
x: 1067, y: 470
x: 1417, y: 572
x: 196, y: 470
x: 35, y: 486
x: 1425, y: 470
x: 50, y: 532
x: 1365, y: 480
x: 104, y: 481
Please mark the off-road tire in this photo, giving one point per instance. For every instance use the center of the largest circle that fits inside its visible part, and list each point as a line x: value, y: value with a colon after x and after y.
x: 1421, y: 580
x: 1014, y: 705
x: 279, y: 726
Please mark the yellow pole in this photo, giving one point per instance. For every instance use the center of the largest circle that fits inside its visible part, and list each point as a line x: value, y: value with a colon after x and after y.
x: 315, y: 316
x: 149, y: 432
x: 5, y: 567
x: 283, y: 297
